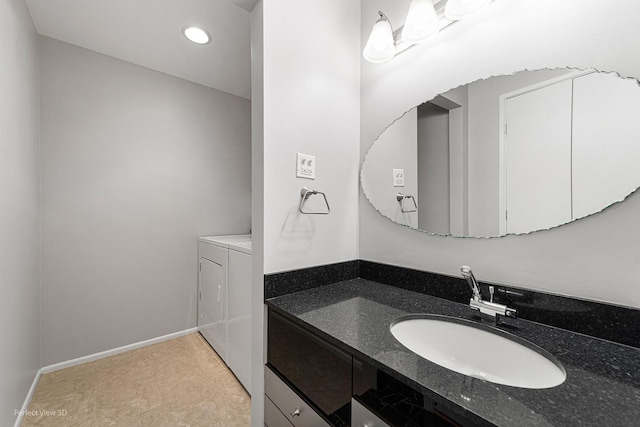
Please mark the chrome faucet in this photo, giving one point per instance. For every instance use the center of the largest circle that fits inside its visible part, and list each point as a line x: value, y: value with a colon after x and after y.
x: 487, y: 309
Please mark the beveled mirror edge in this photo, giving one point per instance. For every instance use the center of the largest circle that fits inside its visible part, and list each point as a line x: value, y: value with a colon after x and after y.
x: 606, y: 208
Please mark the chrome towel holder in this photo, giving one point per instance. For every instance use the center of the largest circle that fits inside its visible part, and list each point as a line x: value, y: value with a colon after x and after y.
x: 401, y: 199
x: 305, y: 193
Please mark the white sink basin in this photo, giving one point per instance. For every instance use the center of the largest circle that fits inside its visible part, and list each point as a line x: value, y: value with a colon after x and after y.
x: 479, y: 351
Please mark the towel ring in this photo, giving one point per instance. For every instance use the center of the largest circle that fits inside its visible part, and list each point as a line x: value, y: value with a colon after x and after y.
x: 401, y: 199
x: 305, y: 193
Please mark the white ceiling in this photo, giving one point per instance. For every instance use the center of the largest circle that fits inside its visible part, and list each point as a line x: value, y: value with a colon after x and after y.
x: 247, y: 5
x: 148, y: 33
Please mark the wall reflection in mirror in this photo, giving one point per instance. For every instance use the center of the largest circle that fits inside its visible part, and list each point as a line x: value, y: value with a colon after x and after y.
x: 510, y: 154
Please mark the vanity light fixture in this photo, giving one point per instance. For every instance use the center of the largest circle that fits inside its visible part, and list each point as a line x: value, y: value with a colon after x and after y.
x: 421, y: 22
x: 196, y: 34
x: 424, y: 19
x: 380, y: 46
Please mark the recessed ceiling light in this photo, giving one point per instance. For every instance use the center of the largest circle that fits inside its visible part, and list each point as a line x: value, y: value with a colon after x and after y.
x: 196, y: 34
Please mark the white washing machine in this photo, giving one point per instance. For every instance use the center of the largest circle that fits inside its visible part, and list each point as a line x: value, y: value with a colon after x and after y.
x: 224, y: 300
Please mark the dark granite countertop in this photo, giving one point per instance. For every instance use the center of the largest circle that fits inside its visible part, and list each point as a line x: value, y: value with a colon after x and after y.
x: 603, y: 378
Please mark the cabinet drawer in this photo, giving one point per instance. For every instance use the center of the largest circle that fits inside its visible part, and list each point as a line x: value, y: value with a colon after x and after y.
x: 290, y: 404
x: 272, y: 415
x: 362, y: 417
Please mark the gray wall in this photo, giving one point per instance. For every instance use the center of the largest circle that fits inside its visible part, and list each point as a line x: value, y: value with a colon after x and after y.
x: 305, y: 90
x: 258, y: 310
x: 395, y: 148
x: 311, y: 105
x: 433, y: 170
x: 594, y: 258
x: 19, y: 230
x: 135, y: 165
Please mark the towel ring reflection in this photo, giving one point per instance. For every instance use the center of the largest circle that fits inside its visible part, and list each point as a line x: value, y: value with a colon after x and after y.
x: 401, y: 199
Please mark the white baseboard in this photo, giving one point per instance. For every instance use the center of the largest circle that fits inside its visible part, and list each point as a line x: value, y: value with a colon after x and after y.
x: 27, y: 400
x: 91, y: 358
x: 107, y: 353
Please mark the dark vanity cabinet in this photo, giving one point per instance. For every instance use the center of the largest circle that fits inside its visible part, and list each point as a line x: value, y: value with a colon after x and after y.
x: 395, y: 402
x: 310, y: 382
x: 316, y: 370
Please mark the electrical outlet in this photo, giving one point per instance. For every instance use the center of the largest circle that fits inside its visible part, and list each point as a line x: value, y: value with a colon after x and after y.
x: 398, y: 177
x: 305, y: 166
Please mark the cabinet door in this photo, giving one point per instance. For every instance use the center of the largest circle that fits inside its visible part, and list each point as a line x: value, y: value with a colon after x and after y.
x: 362, y: 417
x: 605, y: 141
x: 381, y: 399
x: 538, y: 159
x: 211, y: 319
x: 239, y: 317
x: 318, y: 370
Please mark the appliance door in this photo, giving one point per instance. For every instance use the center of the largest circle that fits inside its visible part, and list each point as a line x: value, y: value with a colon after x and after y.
x: 211, y: 319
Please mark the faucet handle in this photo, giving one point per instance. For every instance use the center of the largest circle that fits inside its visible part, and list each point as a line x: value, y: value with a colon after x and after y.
x: 511, y: 313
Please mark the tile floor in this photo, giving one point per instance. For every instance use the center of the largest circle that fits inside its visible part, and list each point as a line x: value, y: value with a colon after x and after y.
x: 181, y: 382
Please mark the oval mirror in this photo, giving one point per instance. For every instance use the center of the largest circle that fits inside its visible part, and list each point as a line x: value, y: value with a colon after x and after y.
x: 510, y: 154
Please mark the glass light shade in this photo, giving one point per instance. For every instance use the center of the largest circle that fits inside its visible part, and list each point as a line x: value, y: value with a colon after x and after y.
x: 459, y: 9
x: 196, y: 35
x: 380, y: 46
x: 422, y: 21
